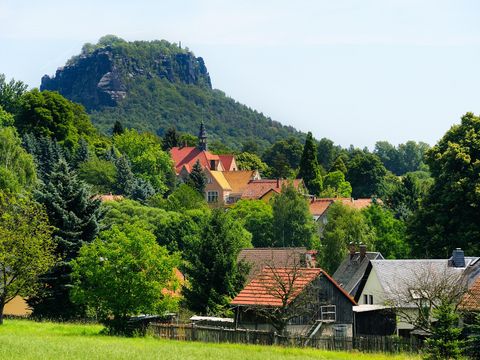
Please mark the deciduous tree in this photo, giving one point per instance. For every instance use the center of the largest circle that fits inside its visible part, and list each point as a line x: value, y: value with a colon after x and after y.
x: 448, y: 215
x: 124, y: 273
x: 26, y: 247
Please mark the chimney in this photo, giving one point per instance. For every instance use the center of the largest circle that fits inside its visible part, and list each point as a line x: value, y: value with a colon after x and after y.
x: 351, y: 250
x: 363, y: 251
x: 458, y: 258
x: 278, y: 182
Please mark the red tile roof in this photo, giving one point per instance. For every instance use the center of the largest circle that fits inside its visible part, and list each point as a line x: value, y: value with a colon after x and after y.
x: 265, y: 288
x: 258, y: 188
x: 471, y: 300
x: 187, y: 156
x: 227, y: 161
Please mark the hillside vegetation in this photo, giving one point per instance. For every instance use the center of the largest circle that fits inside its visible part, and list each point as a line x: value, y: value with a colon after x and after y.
x: 30, y: 340
x: 153, y: 85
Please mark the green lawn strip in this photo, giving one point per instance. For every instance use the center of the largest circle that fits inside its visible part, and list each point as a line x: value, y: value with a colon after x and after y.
x: 21, y: 339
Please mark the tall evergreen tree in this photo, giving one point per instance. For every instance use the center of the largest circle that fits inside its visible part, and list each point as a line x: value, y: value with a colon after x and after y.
x: 125, y: 177
x: 197, y: 178
x: 293, y: 224
x: 309, y: 168
x: 82, y: 153
x: 75, y: 216
x: 214, y: 274
x: 117, y: 128
x: 47, y: 153
x: 170, y: 139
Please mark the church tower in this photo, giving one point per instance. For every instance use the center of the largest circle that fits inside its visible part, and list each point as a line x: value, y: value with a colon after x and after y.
x: 202, y: 138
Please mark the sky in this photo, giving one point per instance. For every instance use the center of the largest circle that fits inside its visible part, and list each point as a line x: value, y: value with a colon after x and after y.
x: 353, y: 71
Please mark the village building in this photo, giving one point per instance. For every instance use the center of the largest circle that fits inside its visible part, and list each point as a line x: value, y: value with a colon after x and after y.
x: 311, y: 300
x: 319, y: 207
x: 352, y: 269
x: 226, y: 184
x: 288, y: 257
x: 386, y: 282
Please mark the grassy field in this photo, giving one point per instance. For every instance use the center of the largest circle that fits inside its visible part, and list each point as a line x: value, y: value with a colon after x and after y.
x: 22, y: 339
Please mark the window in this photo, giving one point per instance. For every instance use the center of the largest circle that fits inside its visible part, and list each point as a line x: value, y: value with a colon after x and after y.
x: 212, y: 196
x: 368, y: 299
x: 209, y: 180
x: 212, y: 164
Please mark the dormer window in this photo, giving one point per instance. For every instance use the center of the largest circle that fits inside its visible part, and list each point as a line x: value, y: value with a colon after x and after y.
x: 212, y: 164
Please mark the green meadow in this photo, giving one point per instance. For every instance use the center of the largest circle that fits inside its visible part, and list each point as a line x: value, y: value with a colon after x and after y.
x: 23, y: 339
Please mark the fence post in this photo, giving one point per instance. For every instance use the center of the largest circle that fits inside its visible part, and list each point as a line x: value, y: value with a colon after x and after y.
x: 275, y: 339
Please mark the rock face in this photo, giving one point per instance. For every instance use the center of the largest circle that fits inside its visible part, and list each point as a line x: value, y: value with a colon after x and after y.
x: 102, y: 78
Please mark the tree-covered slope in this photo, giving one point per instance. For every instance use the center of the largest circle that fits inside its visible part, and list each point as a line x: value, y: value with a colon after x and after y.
x: 154, y: 85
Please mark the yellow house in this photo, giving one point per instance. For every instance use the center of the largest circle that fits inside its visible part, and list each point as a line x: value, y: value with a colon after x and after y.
x: 17, y: 307
x: 217, y: 190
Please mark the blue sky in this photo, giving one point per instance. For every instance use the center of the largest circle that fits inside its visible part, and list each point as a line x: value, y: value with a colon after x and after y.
x: 353, y: 71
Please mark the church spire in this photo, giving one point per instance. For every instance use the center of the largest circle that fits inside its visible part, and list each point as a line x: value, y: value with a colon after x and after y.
x: 202, y: 138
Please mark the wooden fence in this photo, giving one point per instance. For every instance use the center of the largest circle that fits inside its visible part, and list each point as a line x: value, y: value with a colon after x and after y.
x: 385, y: 344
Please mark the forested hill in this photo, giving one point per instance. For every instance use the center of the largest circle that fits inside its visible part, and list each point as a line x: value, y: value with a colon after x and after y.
x: 152, y: 85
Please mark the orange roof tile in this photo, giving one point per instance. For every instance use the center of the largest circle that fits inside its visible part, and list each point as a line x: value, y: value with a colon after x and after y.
x: 471, y: 300
x: 258, y: 188
x: 108, y: 197
x: 264, y: 289
x: 319, y: 206
x: 239, y: 180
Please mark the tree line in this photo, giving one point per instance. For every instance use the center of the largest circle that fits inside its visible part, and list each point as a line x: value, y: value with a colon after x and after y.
x: 54, y: 163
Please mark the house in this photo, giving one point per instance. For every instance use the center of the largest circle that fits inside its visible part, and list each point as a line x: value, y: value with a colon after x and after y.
x: 259, y: 258
x: 303, y: 301
x: 218, y: 189
x: 402, y: 284
x: 228, y: 162
x: 108, y: 197
x: 319, y: 206
x: 238, y: 181
x: 350, y: 272
x: 186, y: 156
x: 17, y: 307
x: 265, y: 189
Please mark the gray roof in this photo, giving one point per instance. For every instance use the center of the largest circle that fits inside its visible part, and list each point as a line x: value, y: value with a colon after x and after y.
x: 395, y: 275
x: 351, y: 271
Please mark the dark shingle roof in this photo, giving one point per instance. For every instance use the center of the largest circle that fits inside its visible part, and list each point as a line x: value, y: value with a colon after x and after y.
x: 351, y: 270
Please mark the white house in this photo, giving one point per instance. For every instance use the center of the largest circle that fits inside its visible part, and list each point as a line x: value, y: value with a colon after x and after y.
x: 387, y: 283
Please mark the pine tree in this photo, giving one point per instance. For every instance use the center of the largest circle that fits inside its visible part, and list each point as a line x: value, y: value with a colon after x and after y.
x: 75, y: 215
x: 473, y: 340
x: 117, y: 128
x: 170, y: 139
x: 82, y: 153
x: 125, y: 177
x: 197, y: 178
x: 445, y: 341
x: 47, y: 153
x: 142, y: 190
x: 309, y: 168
